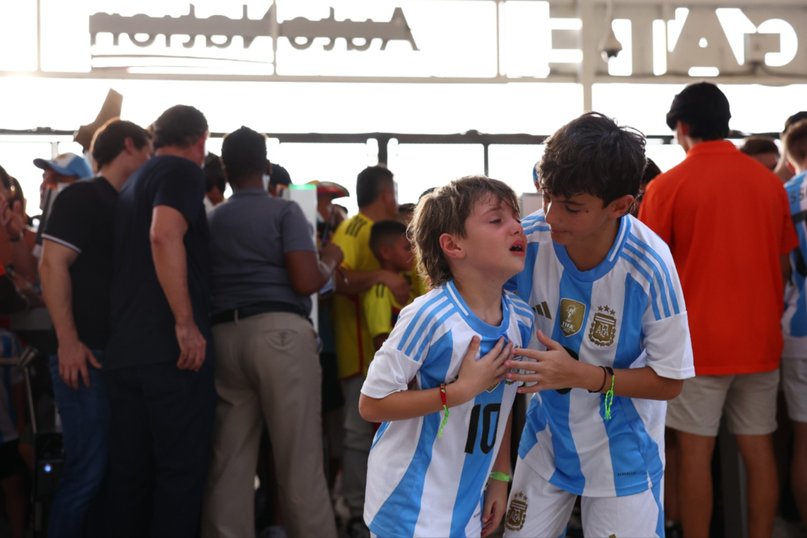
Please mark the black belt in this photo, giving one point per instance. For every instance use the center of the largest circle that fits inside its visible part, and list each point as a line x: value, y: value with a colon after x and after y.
x: 227, y: 316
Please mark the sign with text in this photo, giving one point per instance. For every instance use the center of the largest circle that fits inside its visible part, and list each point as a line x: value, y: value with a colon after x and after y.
x: 406, y: 39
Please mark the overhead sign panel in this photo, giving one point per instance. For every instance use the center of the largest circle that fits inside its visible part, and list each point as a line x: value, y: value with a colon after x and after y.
x: 482, y: 40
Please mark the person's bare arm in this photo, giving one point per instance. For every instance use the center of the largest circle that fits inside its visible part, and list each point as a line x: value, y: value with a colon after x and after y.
x: 307, y: 272
x: 168, y: 228
x: 354, y: 282
x: 496, y: 493
x: 555, y: 369
x: 474, y: 377
x: 57, y: 291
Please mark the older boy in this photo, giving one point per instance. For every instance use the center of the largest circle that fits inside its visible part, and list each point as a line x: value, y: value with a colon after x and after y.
x: 726, y: 220
x: 426, y: 472
x: 613, y: 322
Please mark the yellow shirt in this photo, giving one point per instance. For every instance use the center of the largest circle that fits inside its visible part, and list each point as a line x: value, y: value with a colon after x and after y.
x: 381, y: 309
x: 354, y: 345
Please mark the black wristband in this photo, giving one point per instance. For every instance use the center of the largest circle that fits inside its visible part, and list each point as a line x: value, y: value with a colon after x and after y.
x: 604, y: 379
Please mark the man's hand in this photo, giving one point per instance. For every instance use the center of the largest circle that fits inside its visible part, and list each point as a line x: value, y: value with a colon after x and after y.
x: 398, y: 285
x: 331, y: 255
x: 73, y: 359
x: 192, y: 346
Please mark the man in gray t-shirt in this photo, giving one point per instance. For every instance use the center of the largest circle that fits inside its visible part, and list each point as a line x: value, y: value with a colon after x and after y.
x: 264, y: 269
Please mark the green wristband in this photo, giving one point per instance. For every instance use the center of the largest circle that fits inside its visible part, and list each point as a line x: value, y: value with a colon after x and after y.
x: 500, y: 476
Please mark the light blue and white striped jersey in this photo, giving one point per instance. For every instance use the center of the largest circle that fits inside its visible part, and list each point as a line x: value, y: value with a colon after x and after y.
x: 628, y: 312
x: 794, y: 319
x: 419, y: 484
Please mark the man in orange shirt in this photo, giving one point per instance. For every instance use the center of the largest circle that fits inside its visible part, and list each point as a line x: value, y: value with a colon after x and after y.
x: 727, y: 222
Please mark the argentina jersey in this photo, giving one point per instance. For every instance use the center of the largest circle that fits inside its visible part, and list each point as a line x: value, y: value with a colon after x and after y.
x: 419, y: 484
x: 794, y: 319
x: 627, y: 312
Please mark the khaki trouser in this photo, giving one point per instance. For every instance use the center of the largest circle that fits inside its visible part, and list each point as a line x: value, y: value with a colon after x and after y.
x: 267, y: 368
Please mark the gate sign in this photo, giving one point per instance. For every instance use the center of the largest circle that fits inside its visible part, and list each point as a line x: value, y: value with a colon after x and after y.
x: 478, y: 40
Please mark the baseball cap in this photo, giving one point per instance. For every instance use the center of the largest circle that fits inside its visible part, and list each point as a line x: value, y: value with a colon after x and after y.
x: 66, y: 164
x: 699, y: 100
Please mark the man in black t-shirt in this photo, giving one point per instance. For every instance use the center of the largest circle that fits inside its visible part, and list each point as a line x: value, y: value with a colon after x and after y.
x: 159, y: 365
x: 76, y: 275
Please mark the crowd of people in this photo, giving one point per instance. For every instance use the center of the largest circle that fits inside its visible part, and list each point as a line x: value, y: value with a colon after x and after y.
x: 637, y: 310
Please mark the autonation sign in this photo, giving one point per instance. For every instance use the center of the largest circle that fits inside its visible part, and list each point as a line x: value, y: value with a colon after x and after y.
x: 414, y: 39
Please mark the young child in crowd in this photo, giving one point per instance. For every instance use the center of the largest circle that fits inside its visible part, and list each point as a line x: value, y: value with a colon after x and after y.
x: 427, y: 472
x: 613, y: 343
x: 393, y: 250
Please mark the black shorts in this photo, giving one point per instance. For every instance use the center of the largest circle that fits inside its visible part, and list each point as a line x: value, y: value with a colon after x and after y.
x: 10, y: 460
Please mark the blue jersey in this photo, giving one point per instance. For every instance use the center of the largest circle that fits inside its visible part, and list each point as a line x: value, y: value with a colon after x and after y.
x: 794, y: 319
x: 419, y: 484
x: 628, y: 312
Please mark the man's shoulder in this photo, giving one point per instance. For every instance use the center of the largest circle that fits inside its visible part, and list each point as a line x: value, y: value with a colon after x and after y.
x: 354, y: 227
x: 85, y: 194
x: 166, y: 167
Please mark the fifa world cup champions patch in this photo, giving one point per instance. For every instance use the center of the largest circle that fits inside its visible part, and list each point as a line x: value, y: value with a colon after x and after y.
x: 573, y: 314
x: 516, y: 512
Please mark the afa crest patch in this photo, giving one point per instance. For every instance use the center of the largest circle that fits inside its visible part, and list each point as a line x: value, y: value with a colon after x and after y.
x: 603, y: 328
x: 516, y: 512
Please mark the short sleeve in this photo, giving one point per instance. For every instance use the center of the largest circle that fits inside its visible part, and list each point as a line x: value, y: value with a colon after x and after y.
x: 181, y: 186
x: 377, y: 307
x: 295, y: 230
x: 668, y: 347
x: 70, y: 222
x: 391, y: 370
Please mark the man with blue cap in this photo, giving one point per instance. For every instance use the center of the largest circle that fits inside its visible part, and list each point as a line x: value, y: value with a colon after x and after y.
x: 64, y: 169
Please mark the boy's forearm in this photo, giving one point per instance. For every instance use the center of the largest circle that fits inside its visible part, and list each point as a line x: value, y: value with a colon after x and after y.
x: 644, y: 383
x: 502, y: 462
x: 641, y: 382
x: 411, y: 403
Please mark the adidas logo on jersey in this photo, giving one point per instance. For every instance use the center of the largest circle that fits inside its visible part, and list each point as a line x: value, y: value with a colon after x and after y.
x: 542, y: 309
